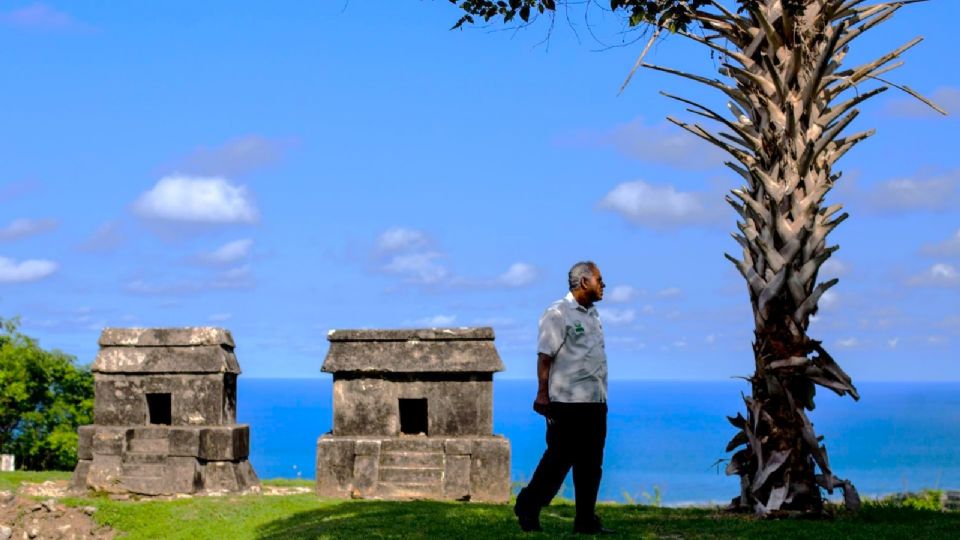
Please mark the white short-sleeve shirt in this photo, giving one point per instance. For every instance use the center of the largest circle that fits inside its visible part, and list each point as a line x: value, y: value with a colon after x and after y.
x: 573, y: 336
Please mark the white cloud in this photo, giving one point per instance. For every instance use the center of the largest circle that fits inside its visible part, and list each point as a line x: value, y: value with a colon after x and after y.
x: 518, y: 275
x: 420, y: 268
x: 22, y: 228
x: 947, y: 97
x: 197, y: 200
x: 892, y: 343
x: 670, y: 292
x: 620, y: 294
x: 405, y: 252
x: 230, y: 252
x: 938, y: 193
x: 12, y: 271
x: 710, y: 339
x: 948, y: 248
x: 436, y: 321
x: 828, y: 300
x: 401, y: 239
x: 220, y: 317
x: 234, y: 278
x: 38, y: 16
x: 617, y: 316
x: 938, y: 275
x: 662, y: 143
x: 658, y: 206
x: 680, y: 344
x: 848, y: 343
x: 834, y: 267
x: 410, y: 254
x: 235, y: 157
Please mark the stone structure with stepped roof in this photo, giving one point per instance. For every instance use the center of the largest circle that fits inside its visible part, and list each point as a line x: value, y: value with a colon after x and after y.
x: 165, y: 402
x: 413, y: 417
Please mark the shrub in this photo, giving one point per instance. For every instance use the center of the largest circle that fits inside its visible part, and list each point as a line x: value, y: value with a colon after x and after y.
x: 44, y: 397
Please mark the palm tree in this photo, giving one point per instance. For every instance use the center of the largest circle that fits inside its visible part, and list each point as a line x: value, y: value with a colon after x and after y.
x: 790, y: 103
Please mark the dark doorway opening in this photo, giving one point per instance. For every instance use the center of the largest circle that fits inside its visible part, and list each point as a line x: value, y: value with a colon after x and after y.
x: 413, y: 416
x: 158, y: 409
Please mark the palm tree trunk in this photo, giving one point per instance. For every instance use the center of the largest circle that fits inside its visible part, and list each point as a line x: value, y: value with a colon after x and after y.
x: 790, y: 103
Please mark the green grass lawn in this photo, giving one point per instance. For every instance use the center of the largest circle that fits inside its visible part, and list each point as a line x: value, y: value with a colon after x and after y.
x: 306, y: 516
x: 10, y: 480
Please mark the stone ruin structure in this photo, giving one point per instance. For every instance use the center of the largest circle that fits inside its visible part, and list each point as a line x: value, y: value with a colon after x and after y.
x: 413, y: 417
x: 165, y: 406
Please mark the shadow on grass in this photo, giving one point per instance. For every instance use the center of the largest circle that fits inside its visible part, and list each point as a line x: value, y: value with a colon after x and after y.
x: 425, y: 519
x: 389, y: 519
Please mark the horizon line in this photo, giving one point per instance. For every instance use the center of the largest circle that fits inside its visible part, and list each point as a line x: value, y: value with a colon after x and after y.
x: 631, y: 379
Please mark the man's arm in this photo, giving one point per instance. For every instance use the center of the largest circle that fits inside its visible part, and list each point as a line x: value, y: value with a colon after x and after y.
x: 542, y: 404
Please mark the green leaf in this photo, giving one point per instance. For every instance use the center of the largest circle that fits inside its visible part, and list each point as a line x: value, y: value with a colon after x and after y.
x: 525, y: 13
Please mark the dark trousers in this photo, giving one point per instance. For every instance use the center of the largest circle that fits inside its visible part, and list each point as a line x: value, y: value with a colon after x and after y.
x: 576, y: 433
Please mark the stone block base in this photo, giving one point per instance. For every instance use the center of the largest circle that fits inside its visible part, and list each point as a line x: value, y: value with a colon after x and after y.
x: 415, y: 467
x: 164, y: 460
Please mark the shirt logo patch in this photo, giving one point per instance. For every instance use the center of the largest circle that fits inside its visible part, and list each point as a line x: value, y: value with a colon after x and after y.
x: 578, y: 328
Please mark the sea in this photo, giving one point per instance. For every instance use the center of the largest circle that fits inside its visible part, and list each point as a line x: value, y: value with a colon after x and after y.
x: 666, y: 439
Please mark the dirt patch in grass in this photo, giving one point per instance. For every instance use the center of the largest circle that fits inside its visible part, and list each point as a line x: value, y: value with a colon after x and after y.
x: 24, y: 517
x: 33, y: 511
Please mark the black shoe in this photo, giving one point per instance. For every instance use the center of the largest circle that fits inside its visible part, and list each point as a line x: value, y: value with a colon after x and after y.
x: 593, y: 527
x: 529, y: 521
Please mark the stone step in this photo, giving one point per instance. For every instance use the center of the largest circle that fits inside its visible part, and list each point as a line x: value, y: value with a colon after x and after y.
x: 417, y: 475
x: 147, y: 485
x: 151, y: 446
x: 411, y: 459
x: 143, y: 457
x: 412, y: 444
x: 409, y: 490
x: 141, y: 470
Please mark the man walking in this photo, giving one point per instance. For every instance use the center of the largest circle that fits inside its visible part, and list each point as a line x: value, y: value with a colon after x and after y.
x: 572, y: 395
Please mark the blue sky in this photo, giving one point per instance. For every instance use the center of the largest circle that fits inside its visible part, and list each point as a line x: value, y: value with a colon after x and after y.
x: 281, y: 171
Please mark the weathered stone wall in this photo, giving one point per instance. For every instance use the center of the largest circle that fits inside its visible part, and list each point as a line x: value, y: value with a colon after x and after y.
x: 168, y: 359
x: 164, y: 460
x: 370, y: 406
x: 201, y: 449
x: 196, y: 400
x: 463, y: 468
x: 430, y: 350
x: 368, y: 455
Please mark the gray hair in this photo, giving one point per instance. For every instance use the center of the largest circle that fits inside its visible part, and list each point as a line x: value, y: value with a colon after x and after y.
x: 583, y: 269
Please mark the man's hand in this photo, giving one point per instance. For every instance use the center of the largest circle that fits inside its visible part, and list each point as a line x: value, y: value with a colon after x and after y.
x: 542, y: 404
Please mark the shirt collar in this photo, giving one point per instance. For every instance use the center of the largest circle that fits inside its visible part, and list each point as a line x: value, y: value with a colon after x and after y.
x: 576, y: 305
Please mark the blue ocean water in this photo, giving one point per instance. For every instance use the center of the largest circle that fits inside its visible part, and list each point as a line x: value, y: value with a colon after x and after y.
x: 665, y: 436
